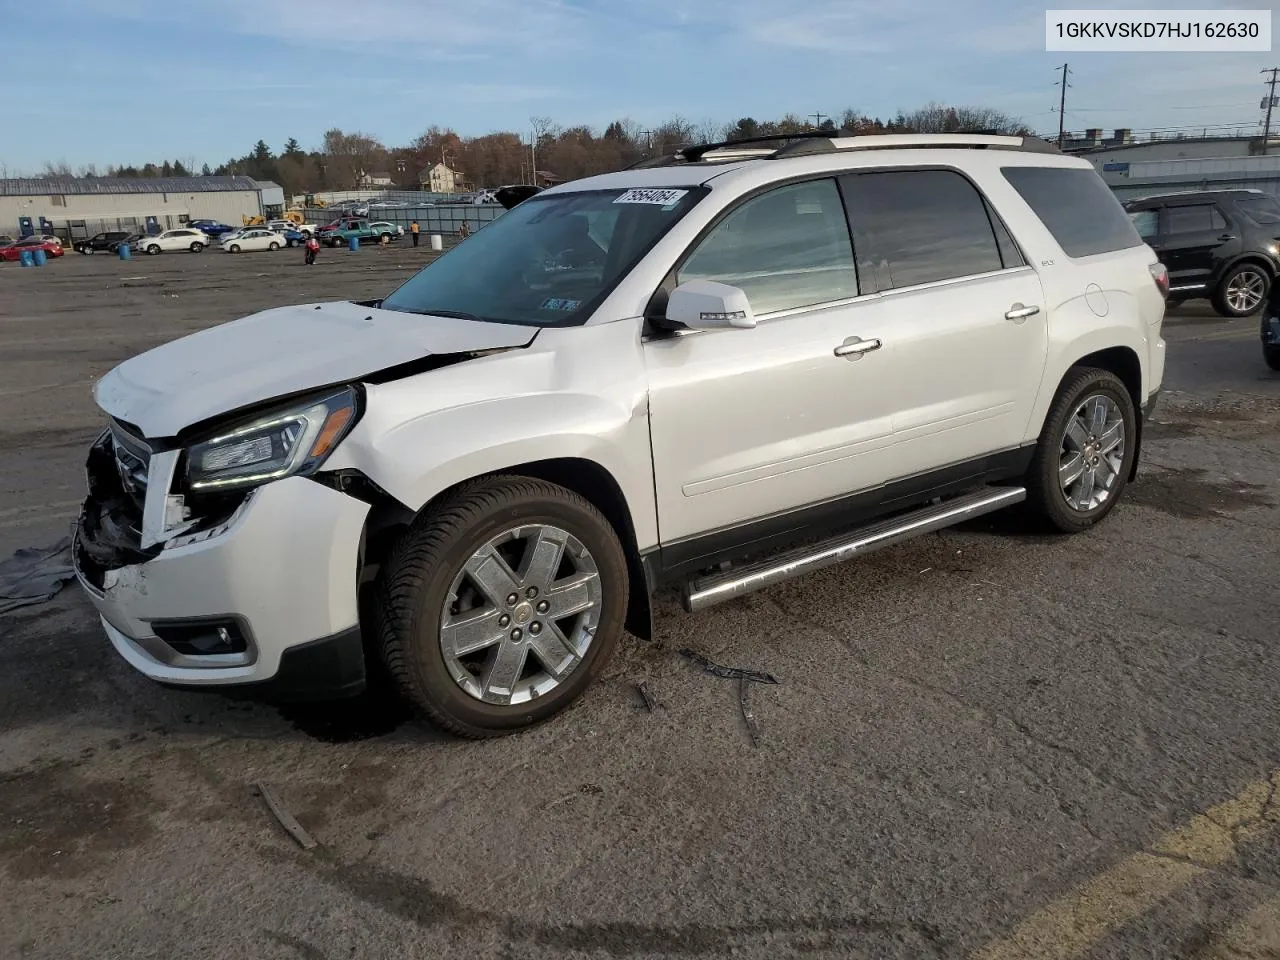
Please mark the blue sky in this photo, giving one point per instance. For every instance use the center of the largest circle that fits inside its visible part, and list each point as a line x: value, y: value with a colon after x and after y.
x: 126, y: 81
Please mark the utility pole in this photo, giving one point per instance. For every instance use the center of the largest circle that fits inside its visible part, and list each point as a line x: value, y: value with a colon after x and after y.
x: 1271, y: 99
x: 533, y: 154
x: 818, y: 118
x: 1062, y: 108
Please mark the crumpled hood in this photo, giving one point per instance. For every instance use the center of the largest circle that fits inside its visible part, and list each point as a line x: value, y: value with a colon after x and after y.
x: 280, y: 352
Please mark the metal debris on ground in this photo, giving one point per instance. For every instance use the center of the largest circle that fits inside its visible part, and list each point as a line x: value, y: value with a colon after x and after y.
x: 35, y: 575
x: 752, y: 727
x: 650, y: 700
x: 728, y: 673
x: 286, y: 819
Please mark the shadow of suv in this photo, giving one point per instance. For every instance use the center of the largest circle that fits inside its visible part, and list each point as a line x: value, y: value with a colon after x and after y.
x: 1221, y: 245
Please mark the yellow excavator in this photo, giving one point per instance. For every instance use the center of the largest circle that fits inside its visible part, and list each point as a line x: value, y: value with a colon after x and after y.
x: 293, y: 216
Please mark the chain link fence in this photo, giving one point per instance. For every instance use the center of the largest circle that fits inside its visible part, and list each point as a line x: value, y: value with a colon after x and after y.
x: 444, y: 219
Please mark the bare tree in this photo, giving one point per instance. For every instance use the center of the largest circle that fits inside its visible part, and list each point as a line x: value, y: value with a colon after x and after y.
x: 350, y: 156
x: 59, y: 169
x: 940, y: 118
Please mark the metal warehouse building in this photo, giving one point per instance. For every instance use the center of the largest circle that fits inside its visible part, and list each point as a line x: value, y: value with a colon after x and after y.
x: 75, y: 207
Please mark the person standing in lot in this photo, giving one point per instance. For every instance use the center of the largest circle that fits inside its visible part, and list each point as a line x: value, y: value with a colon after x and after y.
x: 313, y: 247
x: 413, y: 231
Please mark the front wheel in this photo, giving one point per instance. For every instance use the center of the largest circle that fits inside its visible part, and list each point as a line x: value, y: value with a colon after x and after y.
x: 1083, y: 457
x: 1242, y: 291
x: 234, y: 248
x: 1272, y: 356
x: 86, y: 250
x: 499, y: 608
x: 153, y: 250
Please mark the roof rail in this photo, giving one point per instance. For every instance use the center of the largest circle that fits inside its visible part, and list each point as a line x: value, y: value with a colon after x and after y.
x: 979, y: 141
x: 819, y: 141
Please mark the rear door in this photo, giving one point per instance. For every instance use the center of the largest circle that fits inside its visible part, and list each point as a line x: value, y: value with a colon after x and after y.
x: 962, y: 311
x: 1192, y: 239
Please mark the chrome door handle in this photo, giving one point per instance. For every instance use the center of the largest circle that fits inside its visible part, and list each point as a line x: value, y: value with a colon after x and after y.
x: 854, y: 347
x: 1018, y: 312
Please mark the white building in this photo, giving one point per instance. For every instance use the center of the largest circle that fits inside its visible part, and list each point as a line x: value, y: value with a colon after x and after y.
x: 439, y: 179
x: 76, y: 207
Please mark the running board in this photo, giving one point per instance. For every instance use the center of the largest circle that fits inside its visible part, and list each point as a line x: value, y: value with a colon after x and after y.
x: 704, y: 592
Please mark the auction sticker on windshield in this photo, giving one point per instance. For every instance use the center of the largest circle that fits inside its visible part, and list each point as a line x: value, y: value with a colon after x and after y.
x: 663, y: 198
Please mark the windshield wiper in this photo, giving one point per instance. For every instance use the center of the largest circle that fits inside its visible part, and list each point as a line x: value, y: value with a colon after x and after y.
x: 450, y: 314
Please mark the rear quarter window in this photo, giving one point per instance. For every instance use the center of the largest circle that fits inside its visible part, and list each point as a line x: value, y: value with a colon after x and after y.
x: 1080, y: 211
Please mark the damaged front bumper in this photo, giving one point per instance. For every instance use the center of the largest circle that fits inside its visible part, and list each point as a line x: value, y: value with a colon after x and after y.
x: 258, y: 596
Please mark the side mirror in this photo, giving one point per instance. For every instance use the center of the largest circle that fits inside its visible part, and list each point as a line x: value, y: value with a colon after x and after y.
x: 707, y: 305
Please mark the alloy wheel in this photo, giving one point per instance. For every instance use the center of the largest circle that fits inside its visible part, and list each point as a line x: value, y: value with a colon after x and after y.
x: 521, y: 615
x: 1245, y: 291
x: 1091, y: 453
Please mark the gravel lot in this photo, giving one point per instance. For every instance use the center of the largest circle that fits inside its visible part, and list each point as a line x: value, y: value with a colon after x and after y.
x: 985, y: 743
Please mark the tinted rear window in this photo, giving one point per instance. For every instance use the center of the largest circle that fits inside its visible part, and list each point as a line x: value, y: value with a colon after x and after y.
x: 1078, y: 208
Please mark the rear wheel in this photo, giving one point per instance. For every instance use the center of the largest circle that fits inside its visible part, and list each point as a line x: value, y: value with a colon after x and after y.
x: 273, y: 246
x: 1082, y: 461
x: 1272, y: 356
x: 1242, y: 291
x: 499, y: 608
x: 197, y: 247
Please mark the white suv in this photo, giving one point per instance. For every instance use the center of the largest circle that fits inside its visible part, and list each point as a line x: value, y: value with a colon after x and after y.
x: 171, y: 240
x: 717, y: 371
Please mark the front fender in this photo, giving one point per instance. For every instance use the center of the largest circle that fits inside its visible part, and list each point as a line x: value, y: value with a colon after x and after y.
x: 416, y: 460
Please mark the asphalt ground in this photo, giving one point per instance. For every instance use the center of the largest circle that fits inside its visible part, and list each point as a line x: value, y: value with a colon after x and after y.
x: 985, y: 743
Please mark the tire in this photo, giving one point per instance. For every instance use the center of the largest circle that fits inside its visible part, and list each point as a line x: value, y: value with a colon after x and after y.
x: 1047, y: 499
x: 197, y: 247
x: 153, y: 250
x: 385, y: 238
x: 273, y: 246
x: 86, y: 251
x: 1242, y: 291
x: 1272, y: 357
x: 234, y: 248
x: 425, y: 582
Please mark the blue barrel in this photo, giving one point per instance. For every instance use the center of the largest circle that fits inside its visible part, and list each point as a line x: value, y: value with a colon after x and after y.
x: 124, y: 252
x: 39, y: 256
x: 26, y: 259
x: 353, y: 243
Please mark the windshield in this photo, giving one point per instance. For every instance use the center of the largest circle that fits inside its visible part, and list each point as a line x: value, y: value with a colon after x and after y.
x: 1261, y: 209
x: 548, y: 261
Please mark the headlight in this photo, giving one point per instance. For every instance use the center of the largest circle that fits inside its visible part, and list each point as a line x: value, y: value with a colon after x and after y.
x: 290, y: 441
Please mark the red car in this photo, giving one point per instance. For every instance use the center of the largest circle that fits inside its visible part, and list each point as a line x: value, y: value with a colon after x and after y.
x: 14, y: 250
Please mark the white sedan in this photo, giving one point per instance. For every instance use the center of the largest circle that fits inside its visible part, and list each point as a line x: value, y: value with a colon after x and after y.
x: 255, y: 238
x: 171, y: 240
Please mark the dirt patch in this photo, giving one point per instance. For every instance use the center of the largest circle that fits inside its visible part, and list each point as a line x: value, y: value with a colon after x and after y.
x: 1188, y: 494
x: 56, y: 823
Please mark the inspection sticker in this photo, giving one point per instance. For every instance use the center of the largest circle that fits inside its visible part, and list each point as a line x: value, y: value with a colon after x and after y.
x: 663, y: 198
x: 567, y: 306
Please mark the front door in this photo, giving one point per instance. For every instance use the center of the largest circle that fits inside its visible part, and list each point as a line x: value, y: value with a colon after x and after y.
x: 750, y: 423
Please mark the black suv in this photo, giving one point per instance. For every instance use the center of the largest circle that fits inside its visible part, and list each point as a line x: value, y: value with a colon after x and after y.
x: 102, y: 241
x: 1219, y: 244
